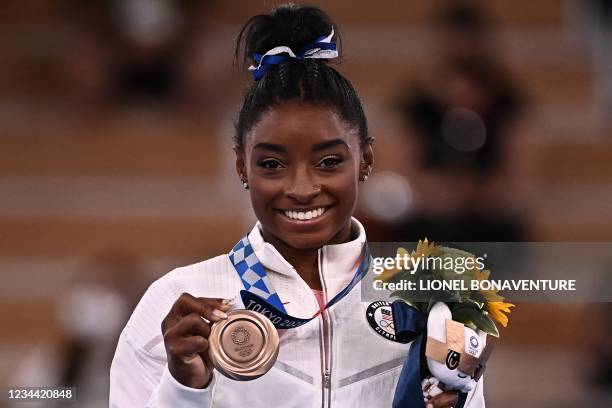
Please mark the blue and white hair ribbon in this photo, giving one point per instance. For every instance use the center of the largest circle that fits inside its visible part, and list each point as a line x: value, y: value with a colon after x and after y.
x: 322, y: 48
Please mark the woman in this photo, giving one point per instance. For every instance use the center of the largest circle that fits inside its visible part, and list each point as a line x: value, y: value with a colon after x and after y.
x: 302, y: 146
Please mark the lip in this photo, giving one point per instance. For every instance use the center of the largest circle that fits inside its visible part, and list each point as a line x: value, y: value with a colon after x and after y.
x: 305, y: 223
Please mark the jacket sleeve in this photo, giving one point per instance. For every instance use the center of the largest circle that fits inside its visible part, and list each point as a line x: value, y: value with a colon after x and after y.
x: 475, y: 398
x: 140, y: 378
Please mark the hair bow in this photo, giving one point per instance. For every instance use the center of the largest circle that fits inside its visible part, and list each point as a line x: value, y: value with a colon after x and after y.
x: 322, y: 48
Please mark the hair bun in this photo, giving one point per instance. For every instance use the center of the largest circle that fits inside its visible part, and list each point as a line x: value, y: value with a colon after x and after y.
x: 287, y: 25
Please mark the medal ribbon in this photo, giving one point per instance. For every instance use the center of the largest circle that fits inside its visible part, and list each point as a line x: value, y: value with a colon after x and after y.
x: 259, y: 295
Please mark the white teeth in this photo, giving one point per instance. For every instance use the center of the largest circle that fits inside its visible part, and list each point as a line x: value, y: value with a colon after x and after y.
x: 304, y: 215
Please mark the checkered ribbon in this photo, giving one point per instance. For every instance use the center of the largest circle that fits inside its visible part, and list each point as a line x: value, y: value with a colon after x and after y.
x: 252, y: 273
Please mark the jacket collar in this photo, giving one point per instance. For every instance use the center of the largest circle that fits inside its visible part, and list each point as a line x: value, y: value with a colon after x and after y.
x: 340, y: 259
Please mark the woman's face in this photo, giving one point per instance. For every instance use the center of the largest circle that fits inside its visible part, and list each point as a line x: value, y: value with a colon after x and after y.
x: 303, y: 164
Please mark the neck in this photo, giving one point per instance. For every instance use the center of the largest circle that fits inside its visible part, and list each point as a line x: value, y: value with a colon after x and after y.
x: 305, y: 260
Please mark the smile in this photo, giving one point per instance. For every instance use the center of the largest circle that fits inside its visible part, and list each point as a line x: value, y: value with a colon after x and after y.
x: 304, y: 215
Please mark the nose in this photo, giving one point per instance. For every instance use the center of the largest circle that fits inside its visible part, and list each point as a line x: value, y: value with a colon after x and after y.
x: 302, y: 187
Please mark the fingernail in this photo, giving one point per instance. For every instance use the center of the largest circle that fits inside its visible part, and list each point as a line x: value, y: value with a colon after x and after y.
x: 219, y: 314
x: 429, y: 405
x: 226, y: 304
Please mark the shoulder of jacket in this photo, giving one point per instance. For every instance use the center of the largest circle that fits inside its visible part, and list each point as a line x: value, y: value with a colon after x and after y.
x: 210, y: 278
x: 218, y: 265
x: 204, y: 276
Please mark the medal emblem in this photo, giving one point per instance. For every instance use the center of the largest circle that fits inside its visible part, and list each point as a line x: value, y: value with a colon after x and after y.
x: 380, y: 318
x: 244, y: 346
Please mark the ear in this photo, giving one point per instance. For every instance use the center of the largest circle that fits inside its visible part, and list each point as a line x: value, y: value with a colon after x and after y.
x: 367, y: 160
x: 436, y: 321
x: 240, y: 165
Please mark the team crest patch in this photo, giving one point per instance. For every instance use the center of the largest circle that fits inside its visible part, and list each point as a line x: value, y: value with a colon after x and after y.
x: 380, y: 318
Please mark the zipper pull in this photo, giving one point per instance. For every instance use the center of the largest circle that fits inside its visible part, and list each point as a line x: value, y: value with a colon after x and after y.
x: 327, y: 378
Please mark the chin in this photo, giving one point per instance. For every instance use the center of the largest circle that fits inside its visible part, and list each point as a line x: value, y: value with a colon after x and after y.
x: 306, y: 241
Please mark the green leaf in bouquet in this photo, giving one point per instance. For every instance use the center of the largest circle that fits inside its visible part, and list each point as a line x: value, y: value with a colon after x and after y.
x: 478, y: 297
x: 410, y: 297
x: 443, y: 296
x: 468, y: 304
x: 405, y: 275
x: 465, y: 295
x: 477, y: 317
x: 407, y: 295
x: 446, y: 297
x: 453, y: 262
x: 476, y: 302
x: 468, y: 323
x: 486, y: 324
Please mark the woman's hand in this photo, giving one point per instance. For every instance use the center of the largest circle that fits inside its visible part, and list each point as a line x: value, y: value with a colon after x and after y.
x: 186, y: 337
x: 435, y: 396
x: 448, y: 399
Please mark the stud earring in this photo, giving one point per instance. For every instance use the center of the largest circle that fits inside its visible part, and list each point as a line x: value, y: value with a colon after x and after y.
x: 365, y: 176
x: 245, y: 184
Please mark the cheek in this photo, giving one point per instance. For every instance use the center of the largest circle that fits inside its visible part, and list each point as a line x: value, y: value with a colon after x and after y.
x: 345, y: 190
x: 263, y: 193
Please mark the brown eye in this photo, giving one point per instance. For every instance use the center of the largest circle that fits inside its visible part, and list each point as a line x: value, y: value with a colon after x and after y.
x: 330, y: 161
x: 270, y: 164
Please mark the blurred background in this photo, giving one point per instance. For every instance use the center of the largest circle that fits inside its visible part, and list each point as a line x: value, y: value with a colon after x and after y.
x: 492, y: 122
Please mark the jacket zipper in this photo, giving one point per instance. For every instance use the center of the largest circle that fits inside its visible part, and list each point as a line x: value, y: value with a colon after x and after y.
x: 327, y: 353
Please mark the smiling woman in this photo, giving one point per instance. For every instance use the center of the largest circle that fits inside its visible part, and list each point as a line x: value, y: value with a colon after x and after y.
x: 303, y: 163
x: 302, y: 147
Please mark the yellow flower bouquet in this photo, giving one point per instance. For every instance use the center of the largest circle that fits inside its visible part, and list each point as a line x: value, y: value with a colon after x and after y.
x: 476, y: 309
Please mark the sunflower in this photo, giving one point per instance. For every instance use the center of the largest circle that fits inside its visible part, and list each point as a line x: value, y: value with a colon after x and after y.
x: 388, y: 274
x: 496, y: 311
x: 483, y: 309
x: 423, y: 249
x: 487, y: 295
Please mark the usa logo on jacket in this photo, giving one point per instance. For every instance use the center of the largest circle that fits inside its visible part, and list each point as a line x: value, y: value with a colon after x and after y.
x: 380, y: 318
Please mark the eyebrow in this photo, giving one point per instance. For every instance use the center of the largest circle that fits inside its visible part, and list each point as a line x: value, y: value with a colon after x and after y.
x: 271, y: 146
x: 315, y: 148
x: 328, y: 144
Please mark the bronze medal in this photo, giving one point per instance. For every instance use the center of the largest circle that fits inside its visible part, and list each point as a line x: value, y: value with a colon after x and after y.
x: 244, y: 346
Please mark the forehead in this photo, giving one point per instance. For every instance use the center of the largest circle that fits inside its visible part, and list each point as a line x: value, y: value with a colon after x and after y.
x: 299, y: 125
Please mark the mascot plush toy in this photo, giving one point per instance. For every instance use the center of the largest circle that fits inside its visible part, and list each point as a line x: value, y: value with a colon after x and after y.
x: 454, y: 352
x: 458, y: 324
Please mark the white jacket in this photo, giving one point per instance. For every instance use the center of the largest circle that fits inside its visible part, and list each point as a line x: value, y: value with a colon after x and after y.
x: 361, y: 368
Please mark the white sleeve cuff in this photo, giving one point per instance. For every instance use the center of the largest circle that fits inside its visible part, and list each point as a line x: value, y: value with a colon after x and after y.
x: 171, y: 393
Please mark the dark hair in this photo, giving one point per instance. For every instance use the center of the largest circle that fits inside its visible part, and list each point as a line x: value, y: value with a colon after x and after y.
x: 310, y: 80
